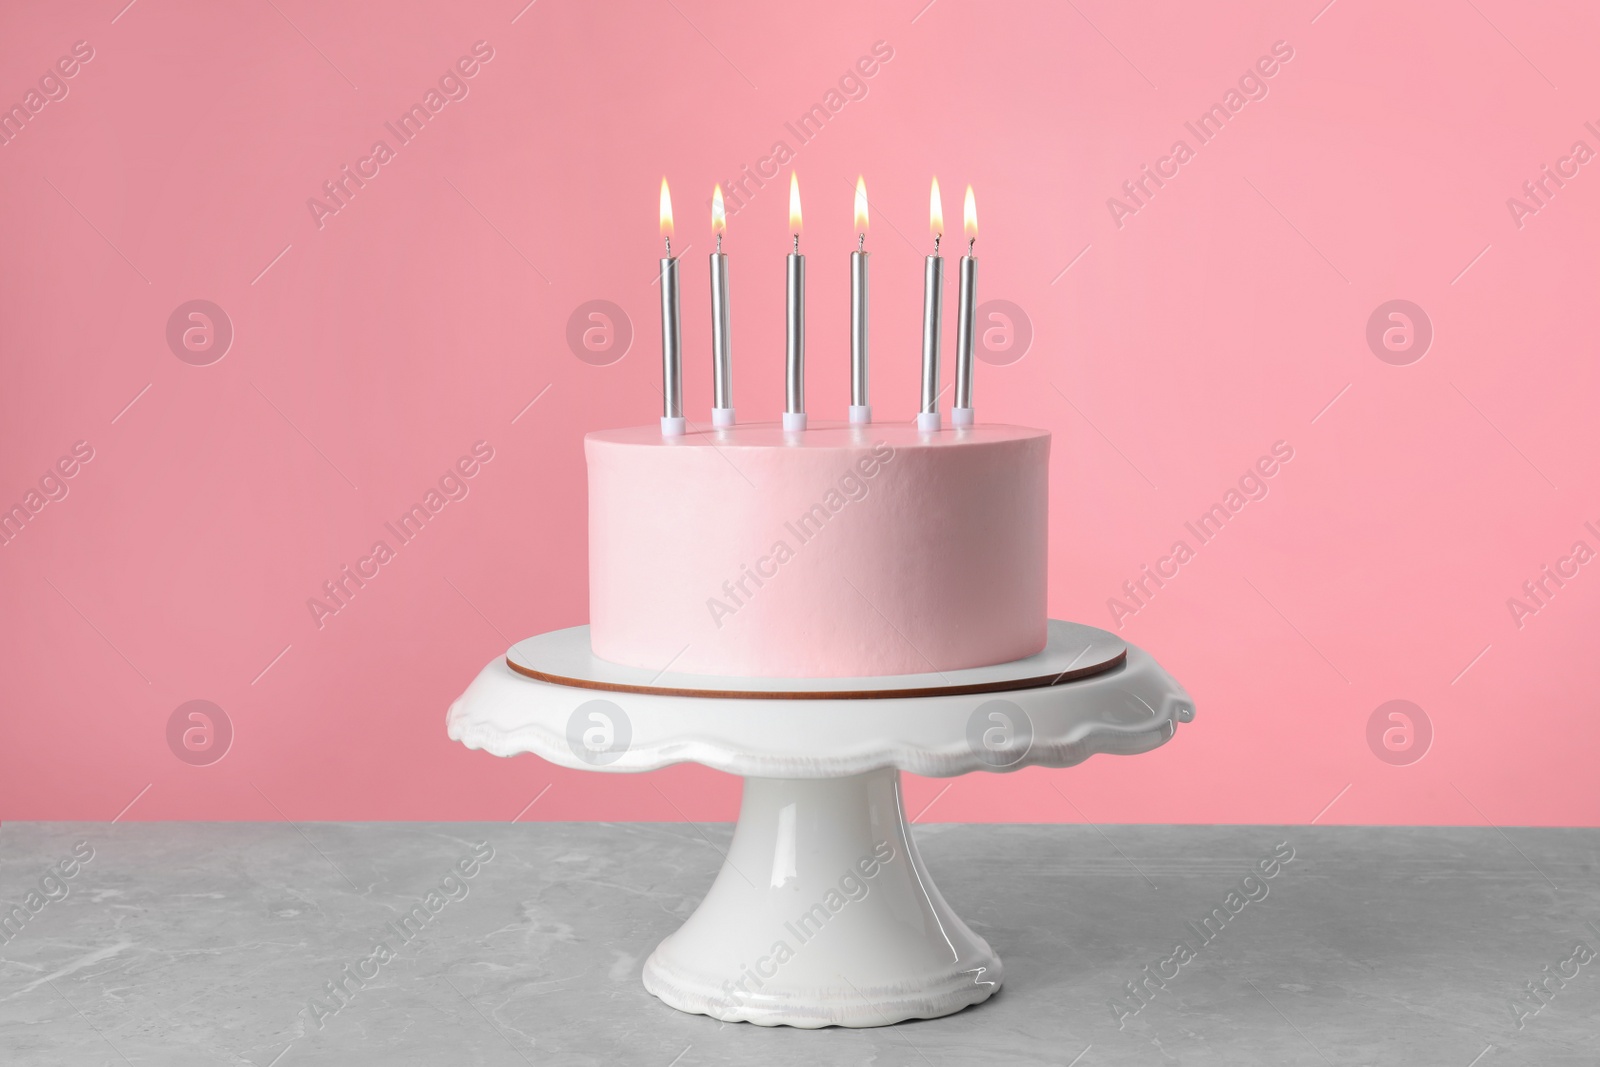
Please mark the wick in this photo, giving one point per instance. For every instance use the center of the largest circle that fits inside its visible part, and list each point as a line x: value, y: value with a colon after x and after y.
x: 797, y: 244
x: 861, y: 242
x: 936, y: 239
x: 970, y: 242
x: 668, y: 242
x: 719, y: 243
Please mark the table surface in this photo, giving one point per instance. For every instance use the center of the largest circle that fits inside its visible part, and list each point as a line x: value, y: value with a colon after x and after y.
x: 204, y: 943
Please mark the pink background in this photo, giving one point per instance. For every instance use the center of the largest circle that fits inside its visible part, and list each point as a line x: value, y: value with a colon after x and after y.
x: 1227, y: 314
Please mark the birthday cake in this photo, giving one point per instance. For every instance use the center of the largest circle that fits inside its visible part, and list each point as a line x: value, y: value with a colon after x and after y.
x: 842, y: 551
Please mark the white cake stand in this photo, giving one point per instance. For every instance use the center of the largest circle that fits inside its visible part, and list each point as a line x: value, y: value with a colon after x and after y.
x: 823, y: 914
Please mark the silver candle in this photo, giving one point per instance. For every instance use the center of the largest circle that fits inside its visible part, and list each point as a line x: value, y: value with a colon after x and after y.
x: 964, y: 330
x: 860, y: 406
x: 671, y: 337
x: 961, y: 415
x: 721, y: 356
x: 932, y: 303
x: 794, y: 411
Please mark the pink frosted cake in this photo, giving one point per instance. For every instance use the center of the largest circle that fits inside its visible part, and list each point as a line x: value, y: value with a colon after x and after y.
x: 840, y: 551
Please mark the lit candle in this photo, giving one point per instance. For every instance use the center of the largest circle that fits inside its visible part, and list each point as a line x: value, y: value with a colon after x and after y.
x: 860, y: 406
x: 932, y: 301
x: 672, y: 423
x: 794, y: 411
x: 721, y: 357
x: 961, y: 414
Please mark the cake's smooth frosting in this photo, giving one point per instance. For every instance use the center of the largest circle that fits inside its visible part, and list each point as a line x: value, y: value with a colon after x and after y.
x: 837, y: 551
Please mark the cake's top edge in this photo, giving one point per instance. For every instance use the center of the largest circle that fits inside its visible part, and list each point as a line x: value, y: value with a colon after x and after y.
x: 819, y: 434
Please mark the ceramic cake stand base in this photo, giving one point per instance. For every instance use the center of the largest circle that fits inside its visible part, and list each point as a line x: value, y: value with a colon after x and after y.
x: 822, y: 913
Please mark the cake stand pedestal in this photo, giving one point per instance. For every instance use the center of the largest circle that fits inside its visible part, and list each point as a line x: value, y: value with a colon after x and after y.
x: 823, y: 913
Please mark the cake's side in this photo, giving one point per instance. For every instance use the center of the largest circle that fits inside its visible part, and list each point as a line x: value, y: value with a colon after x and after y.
x: 836, y: 552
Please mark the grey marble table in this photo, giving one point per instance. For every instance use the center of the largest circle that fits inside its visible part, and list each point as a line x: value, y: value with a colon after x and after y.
x: 506, y: 944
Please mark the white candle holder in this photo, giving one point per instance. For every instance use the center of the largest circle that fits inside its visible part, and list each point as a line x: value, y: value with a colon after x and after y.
x: 860, y: 414
x: 961, y: 417
x: 722, y: 418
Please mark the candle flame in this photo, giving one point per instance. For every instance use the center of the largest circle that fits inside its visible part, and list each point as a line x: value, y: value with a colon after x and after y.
x: 969, y: 215
x: 861, y: 204
x: 794, y: 203
x: 935, y: 211
x: 719, y: 217
x: 666, y: 210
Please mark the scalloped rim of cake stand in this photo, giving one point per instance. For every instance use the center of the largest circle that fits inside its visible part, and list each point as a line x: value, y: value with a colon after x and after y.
x: 1131, y: 708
